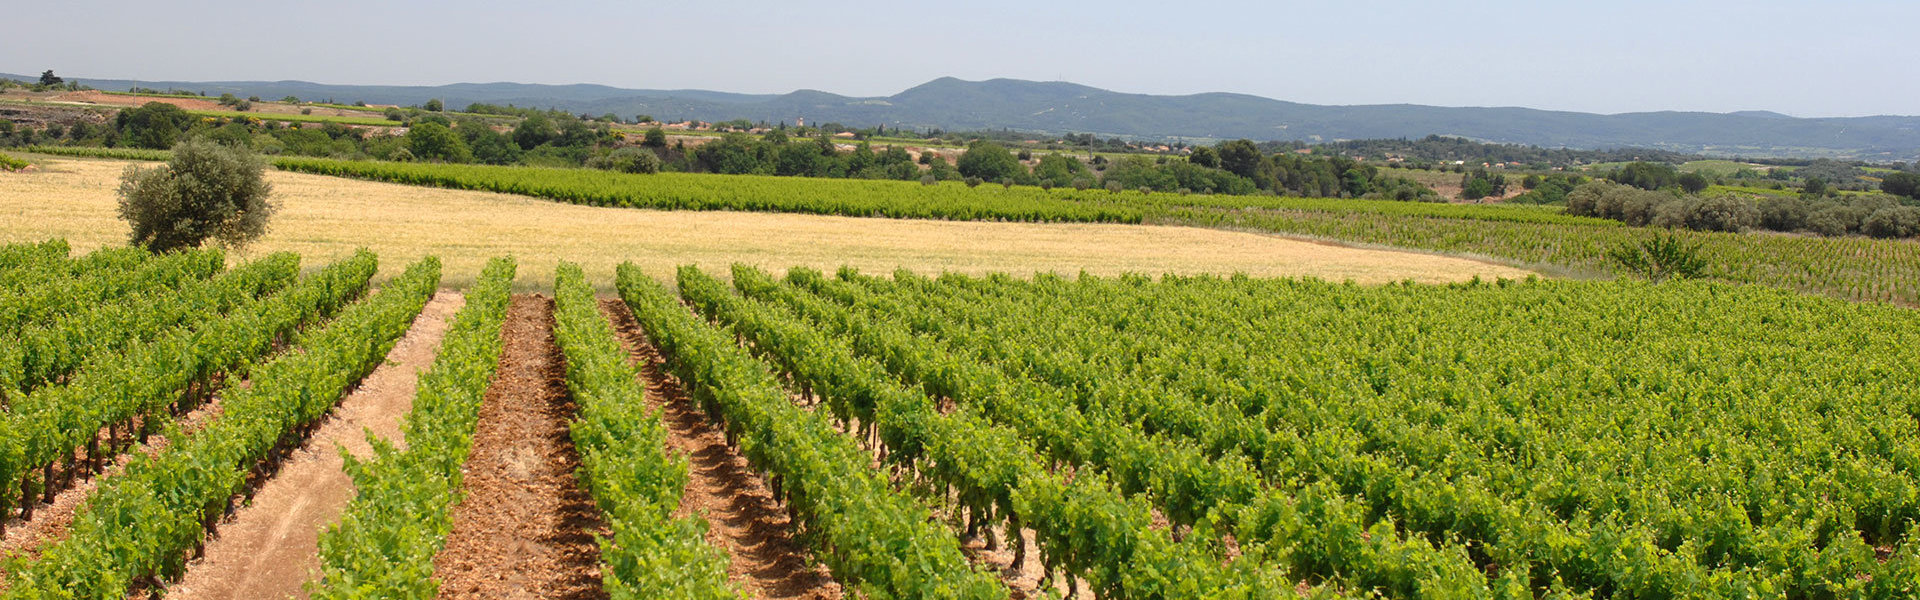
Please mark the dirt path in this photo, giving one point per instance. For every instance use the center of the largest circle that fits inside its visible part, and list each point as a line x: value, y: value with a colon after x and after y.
x: 269, y: 549
x: 745, y: 519
x: 525, y: 528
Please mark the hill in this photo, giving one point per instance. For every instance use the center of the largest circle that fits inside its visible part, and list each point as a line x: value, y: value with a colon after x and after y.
x: 1059, y: 107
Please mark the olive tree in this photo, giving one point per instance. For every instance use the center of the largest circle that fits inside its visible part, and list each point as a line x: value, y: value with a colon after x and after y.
x: 206, y: 191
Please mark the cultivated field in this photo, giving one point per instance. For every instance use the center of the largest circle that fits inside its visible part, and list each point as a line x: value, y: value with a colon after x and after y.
x: 325, y: 218
x: 176, y: 425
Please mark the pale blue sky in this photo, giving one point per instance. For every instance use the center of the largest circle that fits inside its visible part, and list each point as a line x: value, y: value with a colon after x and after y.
x: 1805, y: 58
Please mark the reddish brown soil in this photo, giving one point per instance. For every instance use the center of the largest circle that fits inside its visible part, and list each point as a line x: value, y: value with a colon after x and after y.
x: 745, y: 519
x: 269, y: 549
x: 525, y: 528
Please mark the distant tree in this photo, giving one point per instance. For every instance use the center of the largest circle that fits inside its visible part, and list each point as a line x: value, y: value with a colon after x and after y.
x: 1816, y: 186
x: 47, y: 78
x: 1475, y: 188
x: 1059, y: 169
x: 291, y: 100
x: 1902, y: 184
x: 1240, y: 157
x: 989, y: 161
x: 488, y: 146
x: 435, y: 105
x: 628, y: 160
x: 1646, y: 175
x: 643, y: 118
x: 656, y: 138
x: 1530, y: 182
x: 1893, y: 222
x: 535, y: 130
x: 156, y: 125
x: 206, y: 191
x: 1692, y: 183
x: 433, y: 141
x: 1205, y: 157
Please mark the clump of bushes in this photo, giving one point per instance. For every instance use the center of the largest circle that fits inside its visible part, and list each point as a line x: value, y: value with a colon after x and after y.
x: 1875, y: 215
x: 627, y: 160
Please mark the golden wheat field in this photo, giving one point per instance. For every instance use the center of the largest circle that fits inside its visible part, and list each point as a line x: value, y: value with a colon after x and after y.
x: 325, y: 218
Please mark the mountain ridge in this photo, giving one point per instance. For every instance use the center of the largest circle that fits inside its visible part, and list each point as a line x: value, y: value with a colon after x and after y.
x: 1058, y: 107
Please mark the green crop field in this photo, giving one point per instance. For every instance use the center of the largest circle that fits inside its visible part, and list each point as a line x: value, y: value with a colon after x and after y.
x: 897, y: 199
x: 296, y: 118
x: 1718, y: 168
x: 1855, y: 268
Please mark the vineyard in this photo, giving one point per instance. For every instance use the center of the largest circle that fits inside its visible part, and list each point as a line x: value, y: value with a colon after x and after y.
x: 815, y: 435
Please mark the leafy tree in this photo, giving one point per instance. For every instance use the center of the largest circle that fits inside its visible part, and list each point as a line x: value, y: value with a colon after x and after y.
x: 435, y: 105
x: 1059, y: 169
x: 489, y: 146
x: 1475, y: 188
x: 1645, y: 175
x: 1205, y: 157
x: 47, y: 78
x: 1893, y: 222
x: 433, y: 141
x: 989, y: 161
x: 1816, y: 186
x: 1693, y: 183
x: 1240, y: 157
x: 1902, y: 184
x: 656, y: 138
x: 535, y: 130
x: 156, y: 125
x: 206, y: 191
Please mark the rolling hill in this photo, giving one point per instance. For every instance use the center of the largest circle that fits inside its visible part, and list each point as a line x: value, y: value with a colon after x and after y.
x: 1059, y: 107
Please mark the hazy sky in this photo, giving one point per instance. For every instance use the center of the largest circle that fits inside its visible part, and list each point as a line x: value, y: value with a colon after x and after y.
x: 1805, y: 58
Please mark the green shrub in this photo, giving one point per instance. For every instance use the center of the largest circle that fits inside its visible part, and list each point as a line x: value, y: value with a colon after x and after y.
x: 1661, y: 257
x: 627, y: 160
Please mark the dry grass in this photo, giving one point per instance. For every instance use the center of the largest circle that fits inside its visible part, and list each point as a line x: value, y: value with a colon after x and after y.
x: 325, y: 218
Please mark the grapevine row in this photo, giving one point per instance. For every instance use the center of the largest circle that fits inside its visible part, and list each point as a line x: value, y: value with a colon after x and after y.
x: 874, y: 540
x: 28, y: 254
x: 1309, y: 527
x: 625, y: 463
x: 51, y: 351
x: 384, y: 543
x: 1084, y: 526
x: 140, y: 525
x: 31, y: 304
x: 1428, y: 465
x: 49, y: 424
